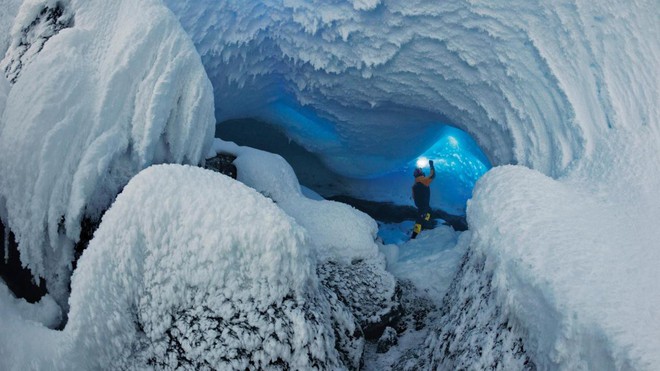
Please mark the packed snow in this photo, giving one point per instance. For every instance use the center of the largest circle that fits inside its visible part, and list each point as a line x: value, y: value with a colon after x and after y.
x: 430, y: 261
x: 4, y: 92
x: 100, y: 92
x: 558, y: 270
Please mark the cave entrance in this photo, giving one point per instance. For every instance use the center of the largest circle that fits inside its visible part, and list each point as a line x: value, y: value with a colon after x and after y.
x: 459, y: 163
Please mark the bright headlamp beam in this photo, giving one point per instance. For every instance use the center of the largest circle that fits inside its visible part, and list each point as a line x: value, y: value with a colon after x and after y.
x: 422, y: 162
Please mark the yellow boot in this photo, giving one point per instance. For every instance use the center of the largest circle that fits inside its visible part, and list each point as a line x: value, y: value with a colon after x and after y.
x: 416, y: 229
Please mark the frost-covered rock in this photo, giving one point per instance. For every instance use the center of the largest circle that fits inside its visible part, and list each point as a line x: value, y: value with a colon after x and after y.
x: 38, y: 22
x: 416, y: 306
x: 343, y: 239
x: 194, y: 270
x: 105, y: 89
x: 371, y: 293
x: 387, y: 340
x: 474, y: 331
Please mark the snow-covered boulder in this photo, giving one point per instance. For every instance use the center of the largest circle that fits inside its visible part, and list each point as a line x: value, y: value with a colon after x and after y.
x: 368, y: 290
x: 574, y: 261
x: 337, y: 231
x: 102, y: 89
x: 342, y: 237
x: 473, y: 331
x: 192, y: 269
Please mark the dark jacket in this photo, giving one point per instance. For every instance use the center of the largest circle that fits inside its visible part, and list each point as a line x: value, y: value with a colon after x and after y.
x: 421, y: 190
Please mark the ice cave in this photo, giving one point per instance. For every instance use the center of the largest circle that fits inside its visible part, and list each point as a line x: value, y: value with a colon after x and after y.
x: 126, y: 243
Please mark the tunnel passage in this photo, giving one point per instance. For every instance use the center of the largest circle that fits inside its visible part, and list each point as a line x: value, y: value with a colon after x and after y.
x: 459, y: 163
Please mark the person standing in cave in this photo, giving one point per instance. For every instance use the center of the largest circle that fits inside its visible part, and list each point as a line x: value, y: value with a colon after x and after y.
x: 421, y: 192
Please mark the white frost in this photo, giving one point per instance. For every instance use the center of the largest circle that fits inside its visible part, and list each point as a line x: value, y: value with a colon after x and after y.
x: 119, y: 89
x: 576, y: 260
x: 184, y: 243
x: 190, y: 268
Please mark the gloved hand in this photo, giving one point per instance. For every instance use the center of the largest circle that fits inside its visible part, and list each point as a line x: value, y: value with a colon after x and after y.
x: 431, y: 163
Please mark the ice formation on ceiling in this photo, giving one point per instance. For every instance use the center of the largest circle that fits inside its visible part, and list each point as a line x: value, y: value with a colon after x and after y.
x: 533, y: 83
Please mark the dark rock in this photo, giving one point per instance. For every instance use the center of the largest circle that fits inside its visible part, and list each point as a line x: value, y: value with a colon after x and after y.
x: 387, y: 340
x: 416, y: 307
x: 473, y: 331
x: 388, y: 212
x: 18, y: 278
x: 370, y: 292
x: 48, y: 23
x: 223, y: 164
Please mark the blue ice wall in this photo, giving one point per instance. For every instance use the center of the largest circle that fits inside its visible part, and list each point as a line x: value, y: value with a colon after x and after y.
x: 459, y: 163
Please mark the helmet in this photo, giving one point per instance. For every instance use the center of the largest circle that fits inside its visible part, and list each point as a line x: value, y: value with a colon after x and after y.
x: 418, y: 172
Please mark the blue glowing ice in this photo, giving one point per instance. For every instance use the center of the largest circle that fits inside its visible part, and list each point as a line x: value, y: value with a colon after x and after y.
x: 459, y: 163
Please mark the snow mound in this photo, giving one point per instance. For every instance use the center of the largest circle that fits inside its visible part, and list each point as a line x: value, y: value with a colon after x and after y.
x: 192, y: 269
x: 7, y: 15
x: 119, y: 88
x: 338, y: 232
x: 574, y: 261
